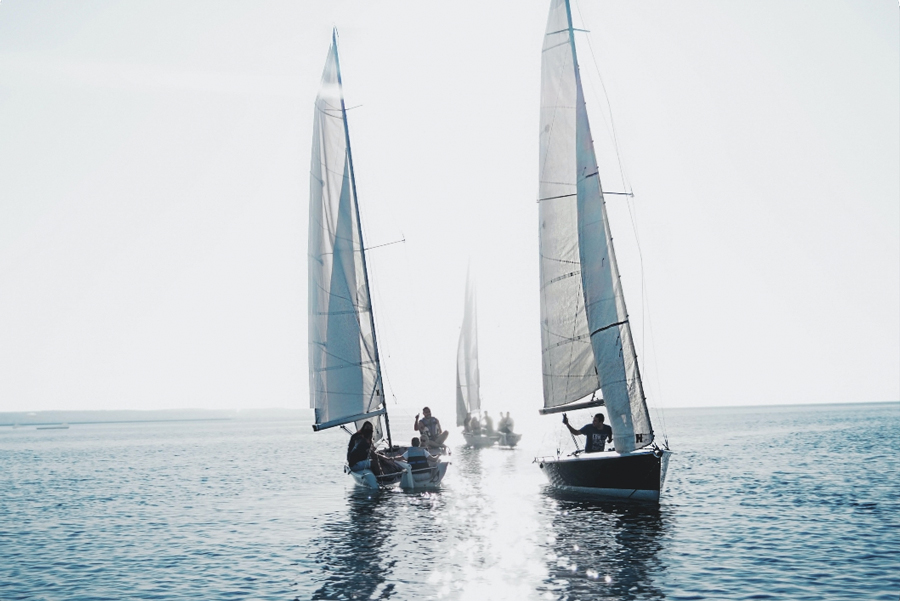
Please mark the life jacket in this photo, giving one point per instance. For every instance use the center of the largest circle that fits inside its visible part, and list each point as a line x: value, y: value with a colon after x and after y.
x: 417, y: 458
x: 430, y: 427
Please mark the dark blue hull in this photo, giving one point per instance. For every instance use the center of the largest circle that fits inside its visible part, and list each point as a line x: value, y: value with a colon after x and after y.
x: 638, y: 475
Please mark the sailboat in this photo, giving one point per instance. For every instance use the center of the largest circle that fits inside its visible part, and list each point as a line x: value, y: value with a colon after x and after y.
x: 586, y: 338
x: 345, y: 382
x: 468, y: 379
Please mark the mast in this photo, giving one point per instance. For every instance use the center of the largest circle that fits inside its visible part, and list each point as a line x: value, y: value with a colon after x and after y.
x: 379, y: 387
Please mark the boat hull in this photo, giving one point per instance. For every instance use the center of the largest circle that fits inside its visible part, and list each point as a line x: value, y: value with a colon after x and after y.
x: 510, y: 439
x: 422, y: 479
x: 639, y: 475
x: 480, y: 441
x: 368, y: 479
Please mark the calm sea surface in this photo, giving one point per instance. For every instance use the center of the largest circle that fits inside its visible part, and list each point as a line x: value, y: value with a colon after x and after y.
x: 788, y: 503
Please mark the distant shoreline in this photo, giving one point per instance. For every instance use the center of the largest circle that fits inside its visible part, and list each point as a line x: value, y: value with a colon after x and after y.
x: 48, y: 418
x: 129, y: 421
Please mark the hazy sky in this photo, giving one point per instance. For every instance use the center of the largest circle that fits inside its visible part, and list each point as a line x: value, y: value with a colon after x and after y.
x: 154, y: 161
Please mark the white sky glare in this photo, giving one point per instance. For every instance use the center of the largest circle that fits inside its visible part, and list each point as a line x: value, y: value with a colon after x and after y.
x: 154, y: 161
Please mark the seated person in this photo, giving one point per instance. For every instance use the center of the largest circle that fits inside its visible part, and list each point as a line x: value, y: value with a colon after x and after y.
x: 474, y: 425
x: 433, y: 437
x: 416, y: 456
x: 361, y: 451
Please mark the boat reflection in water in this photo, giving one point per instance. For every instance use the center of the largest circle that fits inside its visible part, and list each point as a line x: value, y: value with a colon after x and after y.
x: 603, y: 550
x: 350, y: 553
x: 381, y: 547
x: 496, y: 531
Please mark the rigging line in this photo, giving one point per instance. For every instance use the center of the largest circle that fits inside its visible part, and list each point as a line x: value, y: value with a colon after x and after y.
x: 647, y: 321
x: 387, y: 243
x: 608, y: 106
x: 644, y: 296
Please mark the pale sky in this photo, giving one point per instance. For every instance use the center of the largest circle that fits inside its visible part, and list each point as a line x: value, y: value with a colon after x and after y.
x: 154, y: 161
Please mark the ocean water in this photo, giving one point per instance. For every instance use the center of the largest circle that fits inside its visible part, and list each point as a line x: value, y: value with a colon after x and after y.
x: 788, y: 503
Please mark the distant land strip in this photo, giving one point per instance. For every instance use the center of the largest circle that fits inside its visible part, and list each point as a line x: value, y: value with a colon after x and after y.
x: 85, y: 417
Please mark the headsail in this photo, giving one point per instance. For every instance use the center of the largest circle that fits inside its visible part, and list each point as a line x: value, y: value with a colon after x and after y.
x: 344, y: 370
x: 585, y: 335
x: 468, y: 386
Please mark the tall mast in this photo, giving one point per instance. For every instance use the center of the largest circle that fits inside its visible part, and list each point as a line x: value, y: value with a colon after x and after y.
x: 380, y: 386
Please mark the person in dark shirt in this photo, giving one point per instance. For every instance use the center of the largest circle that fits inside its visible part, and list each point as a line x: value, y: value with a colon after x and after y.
x: 597, y: 433
x: 361, y: 452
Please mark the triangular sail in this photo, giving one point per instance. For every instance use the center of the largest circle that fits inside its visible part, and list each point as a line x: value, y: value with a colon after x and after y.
x: 468, y: 386
x: 344, y: 371
x: 585, y: 334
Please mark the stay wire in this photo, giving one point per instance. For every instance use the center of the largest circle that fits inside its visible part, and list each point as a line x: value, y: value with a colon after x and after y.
x: 645, y: 310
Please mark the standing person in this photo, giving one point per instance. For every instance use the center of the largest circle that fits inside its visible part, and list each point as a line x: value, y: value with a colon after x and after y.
x: 503, y: 424
x: 429, y: 427
x: 361, y: 451
x: 597, y: 433
x: 488, y: 424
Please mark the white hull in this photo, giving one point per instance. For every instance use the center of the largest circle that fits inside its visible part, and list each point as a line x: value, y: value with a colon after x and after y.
x: 425, y: 479
x: 480, y: 441
x: 509, y: 440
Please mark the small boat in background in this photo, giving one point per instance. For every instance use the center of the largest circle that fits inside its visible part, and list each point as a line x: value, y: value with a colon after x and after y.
x: 468, y: 381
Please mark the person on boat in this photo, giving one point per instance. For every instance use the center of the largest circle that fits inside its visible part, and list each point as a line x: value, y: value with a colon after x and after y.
x: 361, y: 452
x: 597, y: 433
x: 475, y: 425
x: 505, y: 425
x: 488, y: 424
x: 429, y: 429
x: 416, y: 456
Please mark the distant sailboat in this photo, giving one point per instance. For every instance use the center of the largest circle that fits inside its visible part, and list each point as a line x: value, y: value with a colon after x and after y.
x: 345, y: 383
x: 468, y: 379
x: 585, y: 333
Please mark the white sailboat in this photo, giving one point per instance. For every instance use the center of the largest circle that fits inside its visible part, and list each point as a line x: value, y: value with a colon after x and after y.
x: 586, y: 337
x: 345, y: 383
x: 468, y: 379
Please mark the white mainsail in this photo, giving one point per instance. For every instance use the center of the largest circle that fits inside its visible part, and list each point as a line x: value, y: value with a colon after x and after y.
x: 345, y: 382
x: 468, y: 386
x: 585, y: 335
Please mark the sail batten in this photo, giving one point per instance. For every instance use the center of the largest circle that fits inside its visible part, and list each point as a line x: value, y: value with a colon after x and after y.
x: 586, y: 337
x: 344, y: 369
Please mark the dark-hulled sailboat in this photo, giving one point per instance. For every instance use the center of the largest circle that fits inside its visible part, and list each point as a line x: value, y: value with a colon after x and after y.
x: 585, y: 333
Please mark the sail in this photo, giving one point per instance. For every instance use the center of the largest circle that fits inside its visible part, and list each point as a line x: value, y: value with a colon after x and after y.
x: 344, y: 371
x: 585, y: 335
x: 468, y: 387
